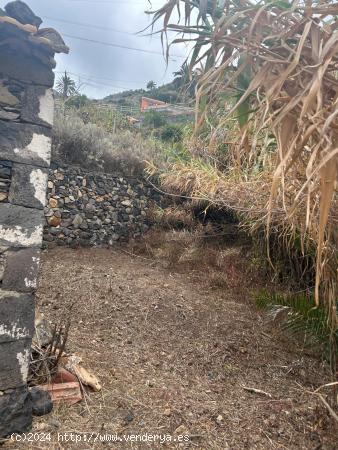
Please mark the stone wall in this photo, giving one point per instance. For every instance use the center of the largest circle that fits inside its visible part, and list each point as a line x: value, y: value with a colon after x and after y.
x: 85, y: 208
x: 26, y: 116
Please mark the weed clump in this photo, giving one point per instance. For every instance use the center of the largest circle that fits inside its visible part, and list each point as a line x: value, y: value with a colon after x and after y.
x: 92, y: 147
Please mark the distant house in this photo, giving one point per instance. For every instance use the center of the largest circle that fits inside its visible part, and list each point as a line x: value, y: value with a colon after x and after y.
x: 150, y: 103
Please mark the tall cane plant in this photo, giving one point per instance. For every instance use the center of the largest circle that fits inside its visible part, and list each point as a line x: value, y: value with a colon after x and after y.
x: 273, y: 65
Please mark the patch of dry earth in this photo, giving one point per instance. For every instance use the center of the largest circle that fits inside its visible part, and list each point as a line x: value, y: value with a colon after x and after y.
x: 174, y: 355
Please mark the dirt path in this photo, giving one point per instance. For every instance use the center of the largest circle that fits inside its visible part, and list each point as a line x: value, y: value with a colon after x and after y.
x: 173, y: 355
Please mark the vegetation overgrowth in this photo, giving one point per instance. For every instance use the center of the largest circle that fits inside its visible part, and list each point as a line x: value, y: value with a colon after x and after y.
x: 102, y: 140
x: 265, y: 140
x: 298, y: 314
x: 97, y: 135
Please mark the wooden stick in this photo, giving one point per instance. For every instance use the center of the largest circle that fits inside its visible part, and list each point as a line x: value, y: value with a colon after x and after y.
x: 257, y: 391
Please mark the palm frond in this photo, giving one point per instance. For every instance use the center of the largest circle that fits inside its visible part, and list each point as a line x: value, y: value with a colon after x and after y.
x: 299, y: 314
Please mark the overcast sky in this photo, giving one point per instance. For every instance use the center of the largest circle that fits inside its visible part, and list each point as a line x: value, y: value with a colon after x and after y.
x: 105, y: 69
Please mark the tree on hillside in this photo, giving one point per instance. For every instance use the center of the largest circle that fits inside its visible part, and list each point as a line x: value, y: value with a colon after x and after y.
x: 151, y: 85
x: 66, y: 86
x: 182, y: 76
x: 186, y: 80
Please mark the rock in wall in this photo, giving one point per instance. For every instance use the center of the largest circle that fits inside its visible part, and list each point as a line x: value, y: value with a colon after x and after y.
x: 85, y: 208
x: 26, y: 117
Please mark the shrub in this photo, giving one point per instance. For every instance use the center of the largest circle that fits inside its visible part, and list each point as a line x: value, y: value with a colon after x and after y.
x: 88, y: 145
x: 172, y: 133
x: 77, y: 101
x: 153, y: 119
x: 75, y: 142
x: 128, y: 151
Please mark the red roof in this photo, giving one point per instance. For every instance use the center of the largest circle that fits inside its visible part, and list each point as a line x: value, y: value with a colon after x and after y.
x: 150, y: 103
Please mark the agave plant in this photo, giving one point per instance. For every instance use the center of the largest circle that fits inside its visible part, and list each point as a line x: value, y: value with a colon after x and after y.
x: 272, y: 65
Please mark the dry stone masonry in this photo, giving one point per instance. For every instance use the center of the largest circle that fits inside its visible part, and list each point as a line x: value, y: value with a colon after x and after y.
x: 85, y: 208
x: 26, y: 118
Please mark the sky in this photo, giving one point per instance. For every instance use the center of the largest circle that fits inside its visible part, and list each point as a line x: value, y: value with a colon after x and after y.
x: 104, y: 69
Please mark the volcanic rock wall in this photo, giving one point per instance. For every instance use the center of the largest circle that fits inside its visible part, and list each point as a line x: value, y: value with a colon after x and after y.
x: 26, y: 117
x: 85, y: 208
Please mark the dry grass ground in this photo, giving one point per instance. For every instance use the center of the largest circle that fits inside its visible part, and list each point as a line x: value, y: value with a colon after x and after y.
x: 174, y: 354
